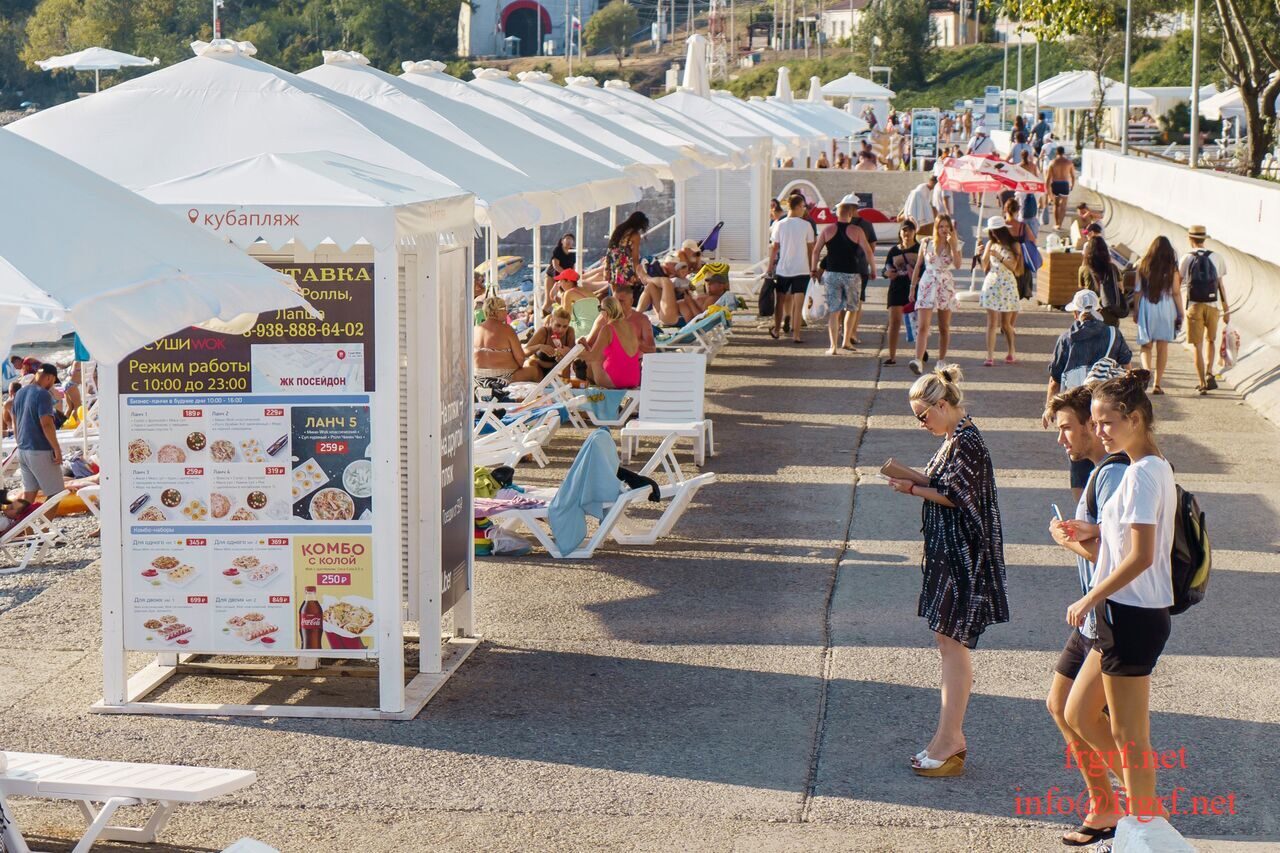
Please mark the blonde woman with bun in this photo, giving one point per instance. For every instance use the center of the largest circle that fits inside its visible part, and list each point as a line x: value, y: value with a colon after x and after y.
x: 964, y: 573
x: 498, y: 354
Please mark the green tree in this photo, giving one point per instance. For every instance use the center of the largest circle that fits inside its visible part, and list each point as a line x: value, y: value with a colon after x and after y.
x: 1249, y: 31
x: 899, y: 34
x: 611, y: 29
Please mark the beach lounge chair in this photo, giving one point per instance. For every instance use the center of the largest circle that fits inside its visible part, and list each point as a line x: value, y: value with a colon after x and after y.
x: 554, y: 389
x: 33, y: 536
x: 677, y: 493
x: 711, y: 242
x: 672, y: 388
x: 748, y: 281
x: 113, y: 784
x: 506, y: 441
x: 706, y: 334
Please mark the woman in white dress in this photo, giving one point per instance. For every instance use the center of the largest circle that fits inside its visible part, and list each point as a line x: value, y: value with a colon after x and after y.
x: 1002, y: 261
x: 933, y: 288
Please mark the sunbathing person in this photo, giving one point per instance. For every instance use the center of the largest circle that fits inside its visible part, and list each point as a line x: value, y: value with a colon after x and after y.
x: 691, y: 253
x: 13, y: 511
x: 498, y: 354
x: 550, y: 343
x: 715, y: 281
x: 613, y: 350
x: 571, y: 290
x: 639, y: 322
x: 668, y: 294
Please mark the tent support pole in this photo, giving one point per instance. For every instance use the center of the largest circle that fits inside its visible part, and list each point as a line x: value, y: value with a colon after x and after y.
x: 539, y: 280
x: 491, y: 249
x: 97, y: 81
x: 581, y: 238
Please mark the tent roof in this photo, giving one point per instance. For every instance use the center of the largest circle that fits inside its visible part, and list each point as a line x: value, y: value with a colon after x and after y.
x: 122, y: 270
x: 715, y: 114
x: 223, y: 105
x: 1077, y: 90
x: 316, y: 192
x: 567, y: 182
x: 617, y: 93
x: 788, y: 138
x: 853, y: 86
x: 428, y: 75
x: 96, y: 59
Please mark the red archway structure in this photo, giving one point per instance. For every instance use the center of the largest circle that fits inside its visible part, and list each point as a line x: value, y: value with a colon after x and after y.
x: 533, y: 6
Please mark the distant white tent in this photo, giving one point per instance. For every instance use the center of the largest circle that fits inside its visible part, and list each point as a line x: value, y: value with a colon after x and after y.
x: 856, y: 88
x: 1224, y: 105
x: 97, y: 60
x: 1080, y: 90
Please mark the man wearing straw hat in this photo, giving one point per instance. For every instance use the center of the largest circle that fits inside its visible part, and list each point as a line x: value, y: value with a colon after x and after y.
x: 1202, y: 272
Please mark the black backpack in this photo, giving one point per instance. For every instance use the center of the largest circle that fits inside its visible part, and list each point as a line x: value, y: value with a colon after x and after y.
x: 1202, y: 277
x: 1111, y: 294
x: 1191, y: 557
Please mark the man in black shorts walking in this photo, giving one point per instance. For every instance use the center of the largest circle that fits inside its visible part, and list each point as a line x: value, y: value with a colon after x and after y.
x: 1062, y: 178
x: 791, y: 243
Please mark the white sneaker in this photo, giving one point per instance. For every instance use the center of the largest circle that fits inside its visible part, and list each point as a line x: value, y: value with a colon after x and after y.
x: 916, y: 367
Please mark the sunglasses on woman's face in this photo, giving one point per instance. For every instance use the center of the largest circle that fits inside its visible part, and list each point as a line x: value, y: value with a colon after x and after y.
x: 922, y: 417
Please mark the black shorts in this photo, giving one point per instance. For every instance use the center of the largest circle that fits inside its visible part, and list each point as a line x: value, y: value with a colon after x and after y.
x: 792, y: 283
x: 1061, y: 189
x: 1080, y: 471
x: 1130, y: 638
x: 899, y: 292
x: 1073, y: 654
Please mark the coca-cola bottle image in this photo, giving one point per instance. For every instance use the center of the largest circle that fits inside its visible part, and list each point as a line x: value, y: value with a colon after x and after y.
x: 311, y: 620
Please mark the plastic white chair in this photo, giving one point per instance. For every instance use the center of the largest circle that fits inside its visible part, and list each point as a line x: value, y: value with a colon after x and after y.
x: 672, y: 388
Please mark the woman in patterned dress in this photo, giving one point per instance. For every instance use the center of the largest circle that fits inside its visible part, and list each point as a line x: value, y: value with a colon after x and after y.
x: 963, y: 566
x: 622, y: 258
x: 933, y: 288
x: 1002, y: 261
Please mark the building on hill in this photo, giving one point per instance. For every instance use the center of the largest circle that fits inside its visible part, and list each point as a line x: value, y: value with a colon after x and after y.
x: 518, y: 27
x: 839, y: 18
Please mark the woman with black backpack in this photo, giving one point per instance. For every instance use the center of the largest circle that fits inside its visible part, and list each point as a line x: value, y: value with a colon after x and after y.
x: 1131, y: 595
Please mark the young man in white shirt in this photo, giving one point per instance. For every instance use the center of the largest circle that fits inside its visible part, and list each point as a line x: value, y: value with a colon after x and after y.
x: 791, y: 242
x: 1205, y: 296
x: 919, y: 206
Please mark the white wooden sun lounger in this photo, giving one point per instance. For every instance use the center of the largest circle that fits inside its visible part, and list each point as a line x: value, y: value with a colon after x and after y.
x: 672, y: 388
x: 33, y: 536
x: 677, y: 494
x: 114, y: 784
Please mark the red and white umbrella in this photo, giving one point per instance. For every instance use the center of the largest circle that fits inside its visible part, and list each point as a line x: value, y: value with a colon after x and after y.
x: 975, y: 174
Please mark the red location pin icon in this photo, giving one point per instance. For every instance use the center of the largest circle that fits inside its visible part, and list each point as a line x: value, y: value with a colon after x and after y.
x: 193, y: 215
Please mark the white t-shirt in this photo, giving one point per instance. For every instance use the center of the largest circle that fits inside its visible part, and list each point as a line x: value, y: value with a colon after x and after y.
x: 982, y: 145
x: 1147, y: 495
x: 941, y: 199
x: 794, y: 237
x: 918, y: 205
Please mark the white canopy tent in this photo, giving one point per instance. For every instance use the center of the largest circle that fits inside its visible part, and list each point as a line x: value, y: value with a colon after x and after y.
x: 150, y: 129
x: 856, y: 88
x: 738, y: 197
x: 414, y: 234
x: 118, y: 269
x: 1079, y: 90
x: 664, y: 162
x: 572, y: 182
x: 97, y: 60
x: 787, y: 136
x: 1227, y: 104
x: 616, y: 96
x: 1168, y: 97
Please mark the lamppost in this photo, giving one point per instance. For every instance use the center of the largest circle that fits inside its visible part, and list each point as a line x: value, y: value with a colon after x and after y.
x: 1128, y: 44
x: 1195, y: 86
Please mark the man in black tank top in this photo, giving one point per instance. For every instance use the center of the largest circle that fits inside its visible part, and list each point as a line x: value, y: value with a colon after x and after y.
x: 843, y: 271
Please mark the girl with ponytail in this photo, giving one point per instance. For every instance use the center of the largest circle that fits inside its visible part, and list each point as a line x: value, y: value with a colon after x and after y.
x: 1131, y: 594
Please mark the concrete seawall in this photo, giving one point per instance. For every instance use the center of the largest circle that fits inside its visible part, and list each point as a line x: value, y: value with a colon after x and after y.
x: 1146, y: 198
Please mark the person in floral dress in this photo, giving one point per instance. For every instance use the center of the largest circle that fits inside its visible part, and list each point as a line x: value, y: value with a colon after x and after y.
x: 1002, y: 261
x: 933, y: 288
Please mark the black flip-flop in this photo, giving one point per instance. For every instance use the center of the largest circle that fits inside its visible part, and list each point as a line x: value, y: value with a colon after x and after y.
x: 773, y: 333
x: 1094, y: 834
x: 890, y: 361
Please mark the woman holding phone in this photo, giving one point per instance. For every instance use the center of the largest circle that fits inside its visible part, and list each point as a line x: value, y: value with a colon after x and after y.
x: 1131, y: 594
x: 963, y: 565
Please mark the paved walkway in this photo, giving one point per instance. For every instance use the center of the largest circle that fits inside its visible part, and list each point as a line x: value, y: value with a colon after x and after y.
x: 759, y: 680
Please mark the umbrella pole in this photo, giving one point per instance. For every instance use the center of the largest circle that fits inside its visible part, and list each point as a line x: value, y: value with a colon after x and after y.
x: 977, y: 232
x: 96, y: 81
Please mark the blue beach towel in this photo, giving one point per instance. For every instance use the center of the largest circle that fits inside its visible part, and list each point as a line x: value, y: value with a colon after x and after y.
x: 592, y: 482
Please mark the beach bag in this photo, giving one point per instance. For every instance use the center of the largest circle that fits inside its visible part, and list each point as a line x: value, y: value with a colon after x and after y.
x: 1111, y: 295
x: 768, y: 297
x: 815, y: 302
x: 1101, y: 370
x: 1230, y: 348
x: 1191, y: 557
x: 1202, y: 277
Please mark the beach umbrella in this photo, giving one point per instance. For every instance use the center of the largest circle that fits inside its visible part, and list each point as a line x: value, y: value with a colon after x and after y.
x: 970, y: 174
x: 78, y: 251
x: 97, y: 60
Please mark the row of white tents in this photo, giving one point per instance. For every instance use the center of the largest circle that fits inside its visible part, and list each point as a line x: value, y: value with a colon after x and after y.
x: 224, y: 130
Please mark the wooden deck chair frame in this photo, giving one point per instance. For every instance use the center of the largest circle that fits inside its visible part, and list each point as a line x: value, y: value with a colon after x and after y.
x: 33, y: 536
x: 671, y: 404
x: 678, y: 494
x: 113, y: 784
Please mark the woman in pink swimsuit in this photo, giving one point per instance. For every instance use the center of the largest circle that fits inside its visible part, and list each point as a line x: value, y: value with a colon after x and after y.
x: 613, y: 351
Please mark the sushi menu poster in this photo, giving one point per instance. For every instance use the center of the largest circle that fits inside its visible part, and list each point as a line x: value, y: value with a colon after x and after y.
x: 231, y: 469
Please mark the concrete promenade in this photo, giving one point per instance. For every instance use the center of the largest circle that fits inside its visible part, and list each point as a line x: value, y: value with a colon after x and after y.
x: 758, y: 681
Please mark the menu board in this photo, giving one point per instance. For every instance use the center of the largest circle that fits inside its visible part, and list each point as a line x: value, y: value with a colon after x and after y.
x: 248, y: 480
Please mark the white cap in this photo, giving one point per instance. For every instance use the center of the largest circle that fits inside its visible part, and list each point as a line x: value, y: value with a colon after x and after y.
x: 849, y: 199
x: 1085, y: 302
x: 995, y: 222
